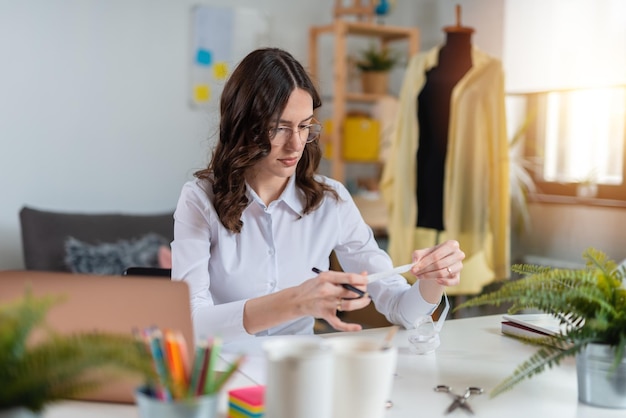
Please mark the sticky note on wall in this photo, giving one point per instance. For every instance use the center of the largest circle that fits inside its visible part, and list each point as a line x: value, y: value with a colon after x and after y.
x: 203, y: 57
x: 201, y: 93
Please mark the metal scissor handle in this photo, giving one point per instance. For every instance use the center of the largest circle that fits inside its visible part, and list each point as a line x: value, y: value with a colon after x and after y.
x: 459, y: 400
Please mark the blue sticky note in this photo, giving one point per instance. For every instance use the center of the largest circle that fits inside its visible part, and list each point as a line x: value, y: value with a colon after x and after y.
x: 203, y: 57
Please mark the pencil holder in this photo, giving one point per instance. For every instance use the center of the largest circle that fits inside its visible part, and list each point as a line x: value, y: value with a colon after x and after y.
x: 198, y: 407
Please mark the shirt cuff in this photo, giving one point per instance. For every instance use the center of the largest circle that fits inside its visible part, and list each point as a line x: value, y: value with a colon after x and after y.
x: 225, y: 321
x: 412, y: 305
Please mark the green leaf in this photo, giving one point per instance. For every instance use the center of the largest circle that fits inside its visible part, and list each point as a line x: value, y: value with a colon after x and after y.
x: 377, y: 59
x: 591, y: 300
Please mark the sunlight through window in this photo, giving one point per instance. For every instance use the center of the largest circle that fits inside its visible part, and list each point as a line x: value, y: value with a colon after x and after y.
x: 584, y: 136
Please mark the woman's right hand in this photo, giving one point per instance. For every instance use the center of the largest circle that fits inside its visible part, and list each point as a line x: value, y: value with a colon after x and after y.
x: 323, y: 296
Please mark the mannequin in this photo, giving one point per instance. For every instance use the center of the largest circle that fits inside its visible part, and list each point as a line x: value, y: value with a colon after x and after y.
x: 472, y: 156
x: 433, y: 104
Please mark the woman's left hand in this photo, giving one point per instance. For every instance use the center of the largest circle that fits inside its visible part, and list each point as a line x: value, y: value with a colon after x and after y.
x: 442, y: 263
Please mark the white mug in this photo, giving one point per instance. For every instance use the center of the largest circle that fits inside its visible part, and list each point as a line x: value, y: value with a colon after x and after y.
x: 299, y: 377
x: 363, y: 376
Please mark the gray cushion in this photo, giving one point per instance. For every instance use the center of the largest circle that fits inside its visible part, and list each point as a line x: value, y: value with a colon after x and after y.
x: 113, y: 257
x: 44, y: 232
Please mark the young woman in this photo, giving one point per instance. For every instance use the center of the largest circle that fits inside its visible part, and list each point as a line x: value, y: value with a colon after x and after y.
x: 250, y: 227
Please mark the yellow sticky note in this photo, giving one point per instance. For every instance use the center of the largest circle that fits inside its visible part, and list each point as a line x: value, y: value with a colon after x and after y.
x: 201, y: 92
x: 220, y: 70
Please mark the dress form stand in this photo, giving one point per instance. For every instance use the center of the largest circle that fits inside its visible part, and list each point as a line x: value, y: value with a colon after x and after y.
x: 433, y: 104
x: 473, y: 148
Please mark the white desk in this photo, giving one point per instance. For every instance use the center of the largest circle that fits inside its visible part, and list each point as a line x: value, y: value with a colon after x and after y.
x: 473, y: 352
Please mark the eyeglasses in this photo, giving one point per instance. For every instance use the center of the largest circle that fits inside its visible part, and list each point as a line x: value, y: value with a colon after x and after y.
x: 306, y: 133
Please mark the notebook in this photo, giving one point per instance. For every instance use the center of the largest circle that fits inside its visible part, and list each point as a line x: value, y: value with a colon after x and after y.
x: 532, y: 325
x: 107, y: 303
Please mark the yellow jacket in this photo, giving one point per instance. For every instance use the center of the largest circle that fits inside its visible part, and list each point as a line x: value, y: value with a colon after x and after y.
x: 476, y: 184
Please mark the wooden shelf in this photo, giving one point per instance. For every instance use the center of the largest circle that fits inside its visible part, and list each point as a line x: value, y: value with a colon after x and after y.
x: 341, y: 30
x: 383, y: 32
x: 362, y: 97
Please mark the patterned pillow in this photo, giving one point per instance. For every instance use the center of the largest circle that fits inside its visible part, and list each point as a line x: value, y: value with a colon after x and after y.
x: 113, y: 258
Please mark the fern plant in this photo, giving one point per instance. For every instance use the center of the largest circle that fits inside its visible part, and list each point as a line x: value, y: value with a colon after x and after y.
x: 590, y: 301
x: 50, y: 367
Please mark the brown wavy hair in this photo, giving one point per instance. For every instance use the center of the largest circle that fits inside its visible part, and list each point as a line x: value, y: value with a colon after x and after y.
x: 252, y: 101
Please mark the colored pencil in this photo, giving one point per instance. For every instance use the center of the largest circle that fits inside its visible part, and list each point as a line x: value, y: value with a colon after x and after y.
x: 216, y: 347
x: 177, y: 376
x: 223, y: 378
x: 199, y: 370
x: 173, y: 355
x: 159, y: 363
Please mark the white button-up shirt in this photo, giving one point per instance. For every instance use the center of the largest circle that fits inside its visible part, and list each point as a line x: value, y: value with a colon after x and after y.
x: 276, y: 249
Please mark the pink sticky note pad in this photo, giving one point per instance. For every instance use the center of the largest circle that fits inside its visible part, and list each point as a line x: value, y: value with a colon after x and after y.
x: 252, y: 396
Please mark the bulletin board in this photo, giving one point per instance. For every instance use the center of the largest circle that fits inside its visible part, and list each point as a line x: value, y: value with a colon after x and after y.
x: 221, y: 37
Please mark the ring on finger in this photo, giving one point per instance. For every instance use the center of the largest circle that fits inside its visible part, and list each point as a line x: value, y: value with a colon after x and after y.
x: 339, y: 302
x: 450, y: 272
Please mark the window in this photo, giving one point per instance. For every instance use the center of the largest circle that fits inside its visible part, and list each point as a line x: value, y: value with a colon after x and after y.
x: 564, y: 59
x: 575, y: 139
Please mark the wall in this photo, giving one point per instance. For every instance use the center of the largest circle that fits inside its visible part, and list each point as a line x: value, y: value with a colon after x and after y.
x: 94, y: 97
x: 557, y: 44
x: 563, y: 44
x: 95, y: 114
x: 561, y: 232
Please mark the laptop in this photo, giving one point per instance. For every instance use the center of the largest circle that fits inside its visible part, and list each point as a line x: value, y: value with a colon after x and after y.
x: 117, y: 304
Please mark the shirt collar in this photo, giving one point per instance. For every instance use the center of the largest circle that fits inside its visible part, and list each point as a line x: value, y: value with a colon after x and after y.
x: 291, y: 196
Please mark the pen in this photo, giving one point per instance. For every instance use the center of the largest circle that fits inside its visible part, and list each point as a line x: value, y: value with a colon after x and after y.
x: 345, y: 285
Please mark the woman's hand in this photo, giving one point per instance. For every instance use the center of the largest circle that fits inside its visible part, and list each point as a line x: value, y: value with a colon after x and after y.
x: 323, y: 296
x: 442, y: 263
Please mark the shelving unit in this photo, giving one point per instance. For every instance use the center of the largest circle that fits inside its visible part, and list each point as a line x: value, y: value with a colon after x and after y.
x: 341, y: 29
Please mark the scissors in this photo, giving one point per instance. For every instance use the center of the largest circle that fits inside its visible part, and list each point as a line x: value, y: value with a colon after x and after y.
x: 459, y: 400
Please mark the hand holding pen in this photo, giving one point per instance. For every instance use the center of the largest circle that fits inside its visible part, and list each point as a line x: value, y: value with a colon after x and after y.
x: 348, y: 286
x: 324, y: 296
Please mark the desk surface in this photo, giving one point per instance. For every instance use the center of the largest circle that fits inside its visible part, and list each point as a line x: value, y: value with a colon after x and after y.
x: 473, y: 352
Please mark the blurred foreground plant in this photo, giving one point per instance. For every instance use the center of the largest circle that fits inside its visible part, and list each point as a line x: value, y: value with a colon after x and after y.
x: 52, y: 367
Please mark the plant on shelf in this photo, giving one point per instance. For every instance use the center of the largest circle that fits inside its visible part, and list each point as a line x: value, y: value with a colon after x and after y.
x: 376, y: 58
x: 589, y: 301
x: 39, y: 366
x: 375, y: 63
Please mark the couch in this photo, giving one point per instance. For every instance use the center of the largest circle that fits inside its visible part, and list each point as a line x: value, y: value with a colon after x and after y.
x: 47, y: 234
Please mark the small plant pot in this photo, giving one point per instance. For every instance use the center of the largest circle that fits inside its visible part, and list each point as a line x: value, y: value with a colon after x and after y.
x: 375, y: 82
x: 598, y: 383
x: 587, y: 190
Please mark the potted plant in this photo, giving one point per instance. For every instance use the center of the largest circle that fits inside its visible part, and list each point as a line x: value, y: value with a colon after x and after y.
x: 375, y: 63
x: 591, y: 303
x: 39, y: 366
x: 520, y: 179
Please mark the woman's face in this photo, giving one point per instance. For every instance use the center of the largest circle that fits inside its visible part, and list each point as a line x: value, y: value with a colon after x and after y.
x: 287, y: 149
